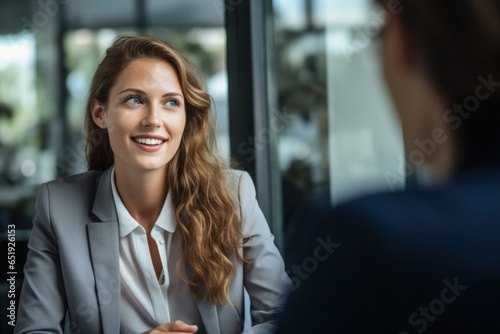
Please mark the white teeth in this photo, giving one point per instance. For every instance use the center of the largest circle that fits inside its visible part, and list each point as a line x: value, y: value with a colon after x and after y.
x: 148, y: 141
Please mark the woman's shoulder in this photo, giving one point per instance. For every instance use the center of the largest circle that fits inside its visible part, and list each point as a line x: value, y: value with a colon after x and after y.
x: 232, y: 175
x: 238, y: 178
x: 64, y: 186
x: 231, y: 172
x: 91, y: 176
x: 64, y: 197
x: 240, y: 183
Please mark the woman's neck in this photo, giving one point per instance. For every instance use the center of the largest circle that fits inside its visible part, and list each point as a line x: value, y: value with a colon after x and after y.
x: 142, y: 193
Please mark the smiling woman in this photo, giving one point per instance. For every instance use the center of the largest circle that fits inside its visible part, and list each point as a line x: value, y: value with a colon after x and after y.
x: 159, y: 236
x: 144, y: 114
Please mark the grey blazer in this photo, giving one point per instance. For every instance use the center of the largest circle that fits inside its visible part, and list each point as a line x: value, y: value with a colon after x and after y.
x: 72, y: 274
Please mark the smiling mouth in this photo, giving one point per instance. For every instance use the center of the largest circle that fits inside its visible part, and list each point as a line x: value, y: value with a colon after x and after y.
x: 149, y: 141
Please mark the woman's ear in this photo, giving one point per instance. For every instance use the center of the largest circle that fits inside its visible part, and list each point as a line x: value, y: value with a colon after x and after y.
x: 97, y: 110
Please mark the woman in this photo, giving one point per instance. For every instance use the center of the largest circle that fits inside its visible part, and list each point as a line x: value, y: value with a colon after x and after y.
x: 423, y: 260
x: 158, y: 237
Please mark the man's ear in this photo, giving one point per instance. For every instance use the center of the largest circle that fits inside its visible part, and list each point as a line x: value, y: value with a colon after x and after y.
x: 399, y: 44
x: 97, y: 110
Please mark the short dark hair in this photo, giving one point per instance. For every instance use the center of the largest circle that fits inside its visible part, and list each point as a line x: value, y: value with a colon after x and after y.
x: 459, y: 41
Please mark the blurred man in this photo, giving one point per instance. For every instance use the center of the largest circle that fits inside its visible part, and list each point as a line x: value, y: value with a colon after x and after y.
x: 425, y: 260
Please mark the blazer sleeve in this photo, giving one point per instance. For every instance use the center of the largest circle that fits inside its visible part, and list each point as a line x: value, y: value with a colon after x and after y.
x: 42, y: 303
x: 265, y: 278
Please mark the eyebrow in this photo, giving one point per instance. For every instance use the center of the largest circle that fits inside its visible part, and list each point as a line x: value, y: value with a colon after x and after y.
x: 141, y: 92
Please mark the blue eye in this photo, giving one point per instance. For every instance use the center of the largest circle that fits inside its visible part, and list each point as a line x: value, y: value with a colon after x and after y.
x: 172, y: 103
x: 133, y: 100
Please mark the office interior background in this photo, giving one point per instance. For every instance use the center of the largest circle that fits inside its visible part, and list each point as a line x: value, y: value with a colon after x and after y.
x: 300, y: 101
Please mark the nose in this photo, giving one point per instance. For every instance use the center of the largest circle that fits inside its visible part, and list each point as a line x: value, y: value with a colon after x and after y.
x: 151, y: 117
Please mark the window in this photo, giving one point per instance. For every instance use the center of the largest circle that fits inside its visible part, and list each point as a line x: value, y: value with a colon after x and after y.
x: 339, y: 136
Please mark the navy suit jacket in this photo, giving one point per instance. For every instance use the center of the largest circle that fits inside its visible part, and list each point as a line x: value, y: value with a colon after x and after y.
x: 423, y: 261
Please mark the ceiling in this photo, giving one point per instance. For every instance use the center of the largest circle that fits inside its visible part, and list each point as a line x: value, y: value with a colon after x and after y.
x: 94, y: 14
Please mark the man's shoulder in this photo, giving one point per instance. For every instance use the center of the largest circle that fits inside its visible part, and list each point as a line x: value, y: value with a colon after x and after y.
x: 464, y: 204
x: 463, y: 211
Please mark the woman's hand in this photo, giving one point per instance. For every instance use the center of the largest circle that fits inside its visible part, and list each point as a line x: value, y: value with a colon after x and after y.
x: 176, y: 327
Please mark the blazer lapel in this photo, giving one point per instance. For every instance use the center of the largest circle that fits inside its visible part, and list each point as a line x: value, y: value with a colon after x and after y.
x: 209, y: 316
x: 104, y: 205
x: 104, y: 252
x: 208, y: 311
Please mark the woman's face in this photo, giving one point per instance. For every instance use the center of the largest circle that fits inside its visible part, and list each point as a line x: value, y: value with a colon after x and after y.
x: 145, y: 115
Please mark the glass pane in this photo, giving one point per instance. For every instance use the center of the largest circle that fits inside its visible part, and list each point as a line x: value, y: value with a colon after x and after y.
x: 340, y: 138
x: 365, y: 137
x: 25, y: 159
x: 25, y: 107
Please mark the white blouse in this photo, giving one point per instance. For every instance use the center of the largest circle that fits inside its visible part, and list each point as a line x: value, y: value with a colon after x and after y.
x: 147, y: 302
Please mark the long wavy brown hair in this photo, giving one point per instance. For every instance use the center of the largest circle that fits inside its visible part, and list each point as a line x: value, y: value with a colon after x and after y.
x: 208, y: 223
